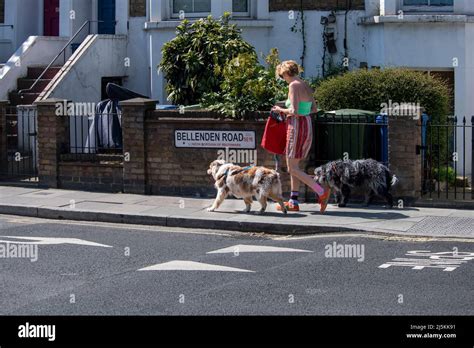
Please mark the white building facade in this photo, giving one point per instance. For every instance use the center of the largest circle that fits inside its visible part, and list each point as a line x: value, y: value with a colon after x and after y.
x: 428, y: 35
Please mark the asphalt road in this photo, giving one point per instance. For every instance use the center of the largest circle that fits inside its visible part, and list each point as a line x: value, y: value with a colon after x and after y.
x: 105, y: 277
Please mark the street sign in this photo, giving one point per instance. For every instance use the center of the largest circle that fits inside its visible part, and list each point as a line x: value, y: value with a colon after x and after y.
x: 215, y: 139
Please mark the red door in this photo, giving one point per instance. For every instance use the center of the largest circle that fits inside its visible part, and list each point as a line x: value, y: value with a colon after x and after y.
x: 51, y: 18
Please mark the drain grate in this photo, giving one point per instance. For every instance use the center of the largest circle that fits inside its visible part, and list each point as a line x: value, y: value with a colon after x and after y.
x: 444, y: 226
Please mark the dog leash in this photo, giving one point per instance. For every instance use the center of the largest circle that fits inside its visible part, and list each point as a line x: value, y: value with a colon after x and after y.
x: 277, y: 162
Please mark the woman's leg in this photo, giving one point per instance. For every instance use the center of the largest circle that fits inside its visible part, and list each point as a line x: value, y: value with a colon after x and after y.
x: 298, y: 175
x: 295, y: 183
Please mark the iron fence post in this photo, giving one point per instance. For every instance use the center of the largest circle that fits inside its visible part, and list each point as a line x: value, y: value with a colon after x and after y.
x: 472, y: 156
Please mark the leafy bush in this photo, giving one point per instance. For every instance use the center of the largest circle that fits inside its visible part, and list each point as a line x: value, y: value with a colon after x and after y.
x: 193, y: 60
x: 443, y: 173
x: 368, y: 89
x: 333, y: 71
x: 247, y: 87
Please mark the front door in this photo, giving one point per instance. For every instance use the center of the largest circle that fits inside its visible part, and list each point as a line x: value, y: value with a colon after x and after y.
x: 107, y: 17
x: 51, y: 18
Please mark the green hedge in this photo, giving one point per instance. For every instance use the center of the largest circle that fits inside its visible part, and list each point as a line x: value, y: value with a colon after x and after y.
x: 369, y: 89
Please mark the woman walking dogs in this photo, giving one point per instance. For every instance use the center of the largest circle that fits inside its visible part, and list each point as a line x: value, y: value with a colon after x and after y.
x: 299, y: 106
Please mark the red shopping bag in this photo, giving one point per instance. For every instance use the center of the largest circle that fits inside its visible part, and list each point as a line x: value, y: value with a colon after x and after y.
x: 274, y: 137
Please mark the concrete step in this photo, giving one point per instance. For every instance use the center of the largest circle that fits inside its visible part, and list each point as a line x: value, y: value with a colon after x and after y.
x: 24, y: 99
x: 35, y: 72
x: 26, y: 83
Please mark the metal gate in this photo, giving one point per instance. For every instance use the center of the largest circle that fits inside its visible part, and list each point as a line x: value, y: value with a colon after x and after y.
x: 447, y: 159
x: 19, y: 160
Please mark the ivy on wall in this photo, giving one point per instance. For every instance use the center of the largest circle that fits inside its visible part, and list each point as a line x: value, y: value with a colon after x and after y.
x: 300, y: 27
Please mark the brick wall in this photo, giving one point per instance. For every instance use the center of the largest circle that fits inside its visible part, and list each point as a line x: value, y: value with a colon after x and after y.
x: 3, y: 135
x: 2, y: 11
x: 404, y: 136
x: 90, y: 176
x: 323, y: 5
x: 153, y: 165
x: 137, y: 8
x: 173, y: 171
x: 52, y: 138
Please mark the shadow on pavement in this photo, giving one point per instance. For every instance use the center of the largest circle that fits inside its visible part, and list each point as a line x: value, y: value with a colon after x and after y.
x: 266, y: 214
x: 382, y: 215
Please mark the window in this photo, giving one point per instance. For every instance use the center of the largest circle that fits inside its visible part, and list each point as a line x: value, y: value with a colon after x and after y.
x: 430, y: 5
x: 191, y: 8
x: 137, y: 8
x: 428, y: 2
x: 2, y: 11
x: 240, y: 7
x: 202, y: 8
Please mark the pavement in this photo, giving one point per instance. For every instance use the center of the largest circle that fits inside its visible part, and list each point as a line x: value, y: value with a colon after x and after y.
x: 188, y: 212
x: 93, y: 268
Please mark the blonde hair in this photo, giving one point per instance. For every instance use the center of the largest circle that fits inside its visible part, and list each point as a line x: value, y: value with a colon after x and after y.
x: 288, y: 66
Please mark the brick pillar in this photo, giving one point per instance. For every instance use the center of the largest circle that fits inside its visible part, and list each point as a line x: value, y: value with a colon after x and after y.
x: 134, y: 113
x: 3, y: 136
x: 53, y: 137
x: 404, y: 135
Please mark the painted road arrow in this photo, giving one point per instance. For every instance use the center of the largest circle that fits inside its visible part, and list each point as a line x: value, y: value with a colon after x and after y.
x: 51, y: 241
x: 178, y: 265
x: 237, y: 249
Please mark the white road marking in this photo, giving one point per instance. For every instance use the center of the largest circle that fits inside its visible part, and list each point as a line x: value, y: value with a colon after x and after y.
x: 449, y: 261
x: 256, y: 249
x: 192, y: 266
x: 51, y: 241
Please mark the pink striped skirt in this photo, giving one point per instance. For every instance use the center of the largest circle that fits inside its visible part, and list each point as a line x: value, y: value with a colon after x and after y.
x: 299, y: 136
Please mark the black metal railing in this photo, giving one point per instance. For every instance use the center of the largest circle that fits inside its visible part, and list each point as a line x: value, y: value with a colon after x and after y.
x: 447, y: 156
x: 94, y: 137
x: 351, y: 137
x: 19, y: 162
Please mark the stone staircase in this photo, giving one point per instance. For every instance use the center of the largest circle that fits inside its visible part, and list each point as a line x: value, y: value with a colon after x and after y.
x: 29, y: 97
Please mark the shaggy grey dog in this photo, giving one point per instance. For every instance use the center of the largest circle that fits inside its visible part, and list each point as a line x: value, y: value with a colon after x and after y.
x: 342, y: 175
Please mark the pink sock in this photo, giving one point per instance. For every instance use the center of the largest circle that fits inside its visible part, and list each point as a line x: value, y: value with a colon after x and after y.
x: 318, y: 189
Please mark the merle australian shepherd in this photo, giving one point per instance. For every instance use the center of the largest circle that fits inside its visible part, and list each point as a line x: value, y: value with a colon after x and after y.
x: 343, y: 175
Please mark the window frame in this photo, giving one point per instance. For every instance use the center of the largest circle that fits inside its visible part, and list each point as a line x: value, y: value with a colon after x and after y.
x: 174, y: 15
x: 426, y: 8
x: 243, y: 14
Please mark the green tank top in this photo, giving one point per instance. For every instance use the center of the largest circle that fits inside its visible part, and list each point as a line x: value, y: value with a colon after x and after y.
x: 304, y: 108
